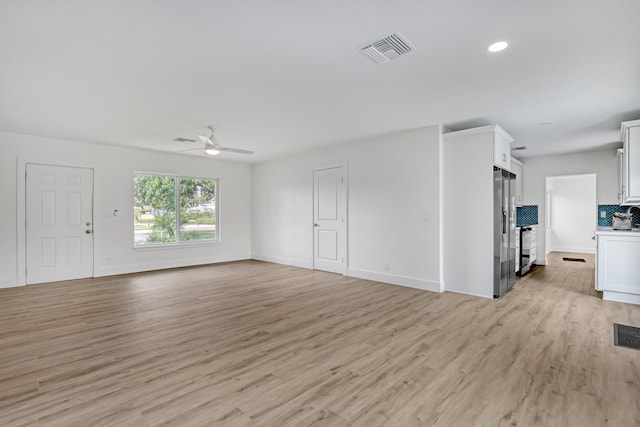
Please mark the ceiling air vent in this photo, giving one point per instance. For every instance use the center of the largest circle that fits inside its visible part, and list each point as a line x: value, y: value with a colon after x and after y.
x: 522, y: 147
x: 388, y: 48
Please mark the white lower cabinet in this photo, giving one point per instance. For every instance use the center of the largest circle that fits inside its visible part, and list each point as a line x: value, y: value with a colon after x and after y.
x: 617, y: 266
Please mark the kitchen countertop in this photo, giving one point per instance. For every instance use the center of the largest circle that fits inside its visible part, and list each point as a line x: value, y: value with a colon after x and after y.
x: 611, y: 232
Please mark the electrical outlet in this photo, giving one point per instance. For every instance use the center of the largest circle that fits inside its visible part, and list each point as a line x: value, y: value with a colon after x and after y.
x: 603, y: 214
x: 387, y: 266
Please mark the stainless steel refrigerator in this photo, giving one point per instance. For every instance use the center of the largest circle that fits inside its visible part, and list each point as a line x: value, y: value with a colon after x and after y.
x: 504, y: 231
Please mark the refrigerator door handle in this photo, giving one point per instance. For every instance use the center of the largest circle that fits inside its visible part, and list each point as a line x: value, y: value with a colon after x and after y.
x: 504, y: 222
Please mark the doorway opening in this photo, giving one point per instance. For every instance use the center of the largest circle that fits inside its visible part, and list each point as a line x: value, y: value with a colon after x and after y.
x: 570, y: 219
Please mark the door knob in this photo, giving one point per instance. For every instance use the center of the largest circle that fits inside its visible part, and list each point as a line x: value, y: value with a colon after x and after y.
x: 87, y: 231
x: 315, y: 225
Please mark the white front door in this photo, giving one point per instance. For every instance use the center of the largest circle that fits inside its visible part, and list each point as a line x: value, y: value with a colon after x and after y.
x: 329, y: 220
x: 59, y: 223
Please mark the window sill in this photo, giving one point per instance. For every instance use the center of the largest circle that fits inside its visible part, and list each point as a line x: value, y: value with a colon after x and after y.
x: 177, y: 245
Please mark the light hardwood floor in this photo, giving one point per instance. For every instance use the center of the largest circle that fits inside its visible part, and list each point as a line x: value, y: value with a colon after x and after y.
x: 252, y: 343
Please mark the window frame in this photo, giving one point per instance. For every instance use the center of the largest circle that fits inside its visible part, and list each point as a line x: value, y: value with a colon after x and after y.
x: 177, y: 194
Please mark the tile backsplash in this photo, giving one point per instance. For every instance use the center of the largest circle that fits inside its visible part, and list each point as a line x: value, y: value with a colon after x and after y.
x: 609, y: 209
x: 527, y: 215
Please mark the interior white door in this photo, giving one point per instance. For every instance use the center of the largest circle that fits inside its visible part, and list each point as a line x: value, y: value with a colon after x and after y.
x: 59, y: 223
x: 329, y: 220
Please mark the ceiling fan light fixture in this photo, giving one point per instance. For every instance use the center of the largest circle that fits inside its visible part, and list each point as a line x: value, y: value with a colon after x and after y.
x: 211, y: 150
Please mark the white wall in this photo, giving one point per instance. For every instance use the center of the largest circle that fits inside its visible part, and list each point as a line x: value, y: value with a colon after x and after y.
x: 572, y: 214
x: 469, y: 212
x: 113, y: 189
x: 536, y: 169
x: 394, y: 185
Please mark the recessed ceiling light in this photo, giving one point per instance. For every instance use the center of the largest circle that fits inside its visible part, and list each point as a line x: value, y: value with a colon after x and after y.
x: 498, y: 46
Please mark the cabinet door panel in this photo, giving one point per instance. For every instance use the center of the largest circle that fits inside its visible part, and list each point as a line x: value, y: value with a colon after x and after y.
x: 518, y: 169
x: 501, y: 152
x: 632, y: 159
x: 618, y: 268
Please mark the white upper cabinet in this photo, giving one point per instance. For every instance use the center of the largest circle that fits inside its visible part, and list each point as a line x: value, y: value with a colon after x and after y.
x: 518, y: 168
x: 631, y: 163
x: 501, y: 148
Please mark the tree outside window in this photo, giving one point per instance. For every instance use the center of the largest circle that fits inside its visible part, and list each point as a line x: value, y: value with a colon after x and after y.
x: 162, y: 202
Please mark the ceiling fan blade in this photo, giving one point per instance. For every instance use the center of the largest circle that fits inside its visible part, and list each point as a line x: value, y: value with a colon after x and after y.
x: 181, y: 139
x: 189, y: 149
x: 205, y: 139
x: 236, y: 150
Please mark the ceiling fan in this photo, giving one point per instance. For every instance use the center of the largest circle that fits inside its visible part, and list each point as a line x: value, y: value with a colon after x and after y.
x: 212, y: 146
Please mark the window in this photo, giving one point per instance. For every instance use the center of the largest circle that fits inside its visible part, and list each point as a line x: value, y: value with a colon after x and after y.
x: 173, y: 209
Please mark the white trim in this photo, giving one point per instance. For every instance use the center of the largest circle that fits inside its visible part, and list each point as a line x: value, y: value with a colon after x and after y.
x: 624, y: 127
x: 21, y: 214
x: 165, y: 264
x: 181, y: 244
x: 9, y: 282
x: 621, y: 297
x: 284, y: 261
x: 471, y: 294
x: 443, y: 285
x: 482, y: 129
x: 394, y: 279
x: 332, y: 165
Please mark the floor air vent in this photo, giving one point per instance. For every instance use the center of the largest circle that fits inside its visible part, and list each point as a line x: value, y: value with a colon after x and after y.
x: 626, y: 336
x: 388, y: 48
x: 574, y: 259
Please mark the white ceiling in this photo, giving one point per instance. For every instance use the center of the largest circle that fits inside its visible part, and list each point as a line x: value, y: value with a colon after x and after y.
x: 284, y: 76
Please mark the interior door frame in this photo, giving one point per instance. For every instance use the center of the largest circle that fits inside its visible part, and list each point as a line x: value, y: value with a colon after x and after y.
x: 548, y: 210
x: 345, y: 200
x: 21, y: 208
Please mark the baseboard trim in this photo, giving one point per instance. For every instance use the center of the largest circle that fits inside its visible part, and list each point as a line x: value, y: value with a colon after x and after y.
x: 9, y: 282
x: 393, y: 279
x: 469, y: 293
x: 284, y: 261
x: 575, y: 250
x: 621, y: 297
x: 163, y: 265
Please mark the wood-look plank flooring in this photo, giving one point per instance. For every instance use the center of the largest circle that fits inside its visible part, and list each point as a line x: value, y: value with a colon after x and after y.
x: 258, y: 344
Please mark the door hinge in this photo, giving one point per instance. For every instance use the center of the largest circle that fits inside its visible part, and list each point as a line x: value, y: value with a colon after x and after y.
x: 342, y: 179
